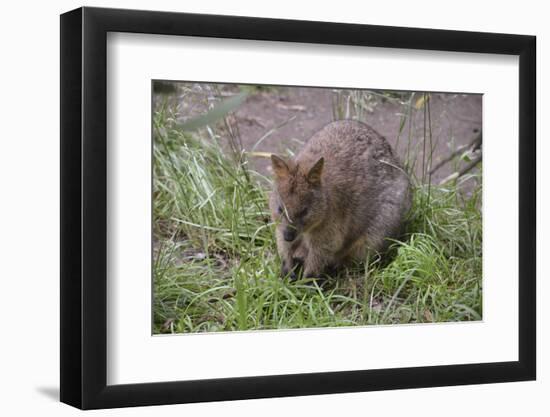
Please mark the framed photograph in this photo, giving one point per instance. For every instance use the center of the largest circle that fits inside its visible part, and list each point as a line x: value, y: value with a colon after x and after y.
x: 258, y: 208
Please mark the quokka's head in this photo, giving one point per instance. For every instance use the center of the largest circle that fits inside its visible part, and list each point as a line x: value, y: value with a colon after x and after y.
x: 297, y: 202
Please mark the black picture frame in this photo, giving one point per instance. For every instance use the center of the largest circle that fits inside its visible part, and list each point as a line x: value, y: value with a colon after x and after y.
x: 84, y: 207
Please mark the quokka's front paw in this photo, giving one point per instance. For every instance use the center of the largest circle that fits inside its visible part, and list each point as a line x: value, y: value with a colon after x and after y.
x: 312, y: 275
x: 298, y: 264
x: 321, y: 276
x: 293, y: 270
x: 285, y: 270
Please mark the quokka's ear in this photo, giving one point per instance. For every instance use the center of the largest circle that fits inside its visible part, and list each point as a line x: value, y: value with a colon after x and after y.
x: 280, y: 168
x: 314, y: 174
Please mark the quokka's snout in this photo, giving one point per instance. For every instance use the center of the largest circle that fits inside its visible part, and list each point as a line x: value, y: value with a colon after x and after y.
x: 343, y: 194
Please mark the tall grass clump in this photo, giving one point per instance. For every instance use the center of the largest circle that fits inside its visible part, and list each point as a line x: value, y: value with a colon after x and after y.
x: 215, y: 264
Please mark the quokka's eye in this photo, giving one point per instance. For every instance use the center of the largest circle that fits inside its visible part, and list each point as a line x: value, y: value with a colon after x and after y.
x: 280, y: 209
x: 303, y: 213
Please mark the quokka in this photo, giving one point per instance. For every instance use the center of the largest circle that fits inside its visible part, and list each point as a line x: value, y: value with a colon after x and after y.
x: 344, y: 193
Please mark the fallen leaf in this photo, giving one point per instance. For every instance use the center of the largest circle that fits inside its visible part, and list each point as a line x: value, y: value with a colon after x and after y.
x: 428, y: 316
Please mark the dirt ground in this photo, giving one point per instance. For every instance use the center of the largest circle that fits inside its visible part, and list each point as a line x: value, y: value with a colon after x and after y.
x: 294, y: 114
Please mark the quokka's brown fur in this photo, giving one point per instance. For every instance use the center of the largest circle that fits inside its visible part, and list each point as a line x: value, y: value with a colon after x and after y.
x: 343, y: 194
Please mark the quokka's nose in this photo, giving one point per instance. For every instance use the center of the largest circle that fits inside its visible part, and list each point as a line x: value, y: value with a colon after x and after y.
x: 289, y: 235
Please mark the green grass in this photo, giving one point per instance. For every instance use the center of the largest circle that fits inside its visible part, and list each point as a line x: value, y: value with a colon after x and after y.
x: 216, y: 267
